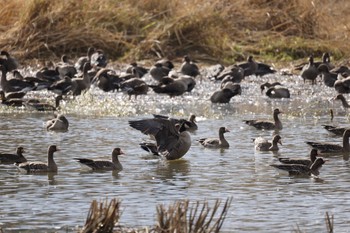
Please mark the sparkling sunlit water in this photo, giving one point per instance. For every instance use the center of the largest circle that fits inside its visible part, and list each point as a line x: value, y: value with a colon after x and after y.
x: 264, y: 200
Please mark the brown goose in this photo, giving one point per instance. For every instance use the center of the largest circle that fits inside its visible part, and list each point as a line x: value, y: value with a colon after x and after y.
x: 328, y: 77
x: 310, y: 72
x: 191, y: 124
x: 13, y: 85
x: 188, y: 67
x: 9, y: 62
x: 59, y: 123
x: 220, y: 142
x: 267, y: 125
x: 35, y: 104
x: 170, y: 86
x: 342, y: 84
x: 303, y: 161
x: 79, y: 64
x: 262, y: 144
x: 250, y: 67
x: 275, y: 90
x: 134, y: 86
x: 100, y: 164
x: 65, y: 68
x: 173, y: 141
x: 50, y: 166
x: 343, y: 100
x: 158, y: 71
x: 233, y: 73
x: 329, y: 148
x: 83, y: 83
x: 6, y: 158
x: 225, y: 94
x: 335, y: 130
x: 300, y: 169
x: 134, y: 68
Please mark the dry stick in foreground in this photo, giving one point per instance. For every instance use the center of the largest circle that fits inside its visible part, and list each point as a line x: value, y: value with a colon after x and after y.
x: 329, y: 224
x: 102, y: 217
x: 200, y: 218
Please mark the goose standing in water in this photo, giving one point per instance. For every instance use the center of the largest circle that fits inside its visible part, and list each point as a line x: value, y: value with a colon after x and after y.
x: 310, y: 72
x: 59, y: 123
x: 220, y: 142
x: 40, y: 106
x: 101, y: 164
x: 267, y: 125
x: 172, y: 139
x: 225, y: 94
x: 300, y: 169
x: 32, y: 167
x: 307, y: 162
x: 330, y: 148
x: 134, y: 86
x: 13, y: 85
x: 328, y: 77
x: 6, y: 158
x: 262, y: 144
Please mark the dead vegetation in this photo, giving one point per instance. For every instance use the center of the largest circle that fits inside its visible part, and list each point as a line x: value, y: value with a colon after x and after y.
x: 218, y: 30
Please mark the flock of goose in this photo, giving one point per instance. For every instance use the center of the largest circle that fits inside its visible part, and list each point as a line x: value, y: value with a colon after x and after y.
x: 171, y: 137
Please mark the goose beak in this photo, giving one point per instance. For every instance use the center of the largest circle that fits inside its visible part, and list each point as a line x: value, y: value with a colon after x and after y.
x: 280, y: 142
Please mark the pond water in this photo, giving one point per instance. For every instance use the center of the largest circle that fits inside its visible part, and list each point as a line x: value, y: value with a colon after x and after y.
x: 263, y: 199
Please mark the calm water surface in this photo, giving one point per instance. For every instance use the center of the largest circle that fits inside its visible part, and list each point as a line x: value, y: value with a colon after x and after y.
x: 264, y: 200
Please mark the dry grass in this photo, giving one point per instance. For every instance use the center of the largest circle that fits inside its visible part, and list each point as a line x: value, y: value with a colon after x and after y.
x: 102, y: 217
x: 182, y: 218
x: 218, y: 30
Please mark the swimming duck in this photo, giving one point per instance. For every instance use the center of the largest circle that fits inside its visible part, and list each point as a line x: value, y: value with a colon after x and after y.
x: 50, y: 166
x: 6, y: 158
x: 173, y: 141
x: 267, y: 125
x: 101, y: 164
x: 300, y: 169
x: 220, y: 142
x: 335, y: 130
x: 325, y: 148
x: 262, y: 144
x: 303, y: 161
x: 309, y: 71
x: 188, y: 67
x: 59, y: 123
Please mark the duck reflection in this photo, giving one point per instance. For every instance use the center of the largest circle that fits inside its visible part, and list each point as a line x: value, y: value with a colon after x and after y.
x: 173, y: 170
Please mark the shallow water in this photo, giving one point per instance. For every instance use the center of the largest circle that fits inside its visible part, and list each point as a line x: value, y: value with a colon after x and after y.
x: 264, y: 199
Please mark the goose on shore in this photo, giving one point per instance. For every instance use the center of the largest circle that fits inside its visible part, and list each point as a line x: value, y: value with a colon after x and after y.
x: 188, y: 67
x: 304, y: 161
x: 13, y: 85
x: 300, y: 169
x: 262, y: 144
x: 172, y: 139
x: 33, y: 167
x: 102, y: 164
x: 9, y: 62
x: 8, y: 158
x: 267, y: 125
x: 219, y: 142
x: 330, y: 148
